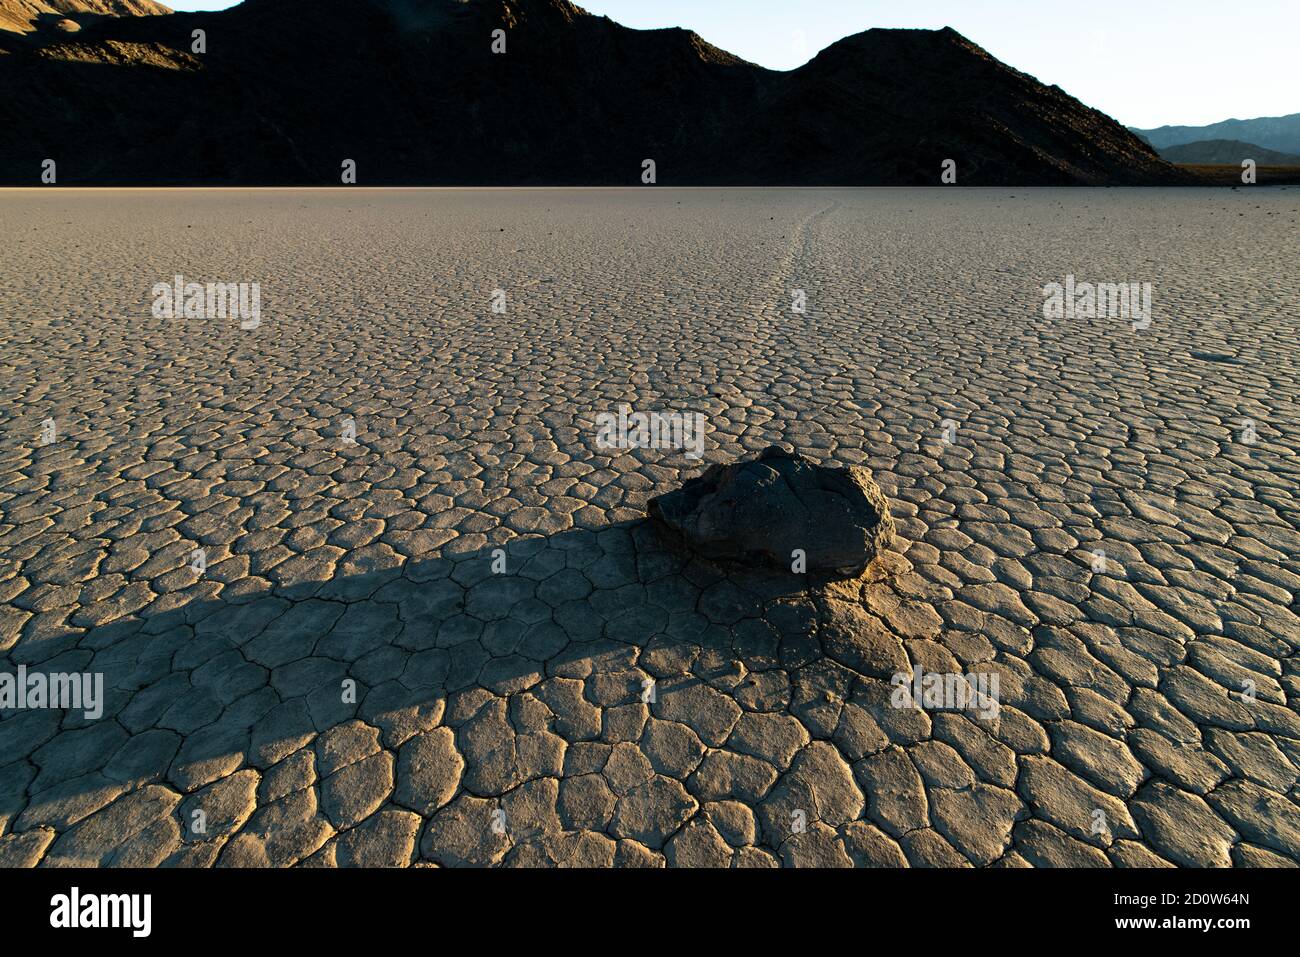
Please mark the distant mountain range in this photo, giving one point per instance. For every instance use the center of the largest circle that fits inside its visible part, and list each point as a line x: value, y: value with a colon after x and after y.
x: 1226, y: 152
x: 1280, y: 133
x: 411, y: 90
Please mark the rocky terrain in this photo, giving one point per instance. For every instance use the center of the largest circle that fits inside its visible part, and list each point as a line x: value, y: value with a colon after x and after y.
x: 433, y: 626
x: 27, y: 16
x: 285, y: 90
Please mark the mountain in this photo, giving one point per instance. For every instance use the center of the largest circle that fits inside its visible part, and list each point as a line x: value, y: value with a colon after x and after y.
x: 1281, y: 133
x: 411, y: 90
x: 26, y: 16
x: 1227, y: 152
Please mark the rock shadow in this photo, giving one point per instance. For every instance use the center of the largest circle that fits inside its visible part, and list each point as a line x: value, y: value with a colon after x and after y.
x: 578, y: 637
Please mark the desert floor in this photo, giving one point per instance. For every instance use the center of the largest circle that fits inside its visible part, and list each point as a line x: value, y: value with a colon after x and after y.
x: 1105, y: 517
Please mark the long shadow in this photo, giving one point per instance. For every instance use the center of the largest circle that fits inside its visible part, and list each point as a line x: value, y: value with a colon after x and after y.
x: 203, y: 689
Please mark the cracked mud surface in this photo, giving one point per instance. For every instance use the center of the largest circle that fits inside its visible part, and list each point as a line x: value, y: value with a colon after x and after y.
x: 500, y: 718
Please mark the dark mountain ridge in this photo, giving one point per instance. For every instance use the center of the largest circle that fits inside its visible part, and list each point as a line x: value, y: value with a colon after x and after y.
x: 411, y: 90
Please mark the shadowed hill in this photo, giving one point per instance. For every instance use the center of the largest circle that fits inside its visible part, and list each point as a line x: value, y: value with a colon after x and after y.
x: 411, y: 90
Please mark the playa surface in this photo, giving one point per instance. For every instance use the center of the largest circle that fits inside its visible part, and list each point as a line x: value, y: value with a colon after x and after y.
x: 453, y: 639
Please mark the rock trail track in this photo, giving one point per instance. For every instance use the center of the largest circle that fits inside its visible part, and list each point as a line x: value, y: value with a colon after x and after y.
x: 506, y: 719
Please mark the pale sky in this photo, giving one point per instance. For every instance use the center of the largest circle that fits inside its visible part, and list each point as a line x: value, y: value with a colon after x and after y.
x: 1145, y: 62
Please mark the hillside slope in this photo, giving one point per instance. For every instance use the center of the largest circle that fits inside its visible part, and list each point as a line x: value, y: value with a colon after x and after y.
x: 26, y: 16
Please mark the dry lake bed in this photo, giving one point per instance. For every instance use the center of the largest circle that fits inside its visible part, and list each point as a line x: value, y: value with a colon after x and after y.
x: 352, y: 576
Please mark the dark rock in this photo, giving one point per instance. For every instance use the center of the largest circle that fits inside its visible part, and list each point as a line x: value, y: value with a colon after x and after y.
x: 761, y: 510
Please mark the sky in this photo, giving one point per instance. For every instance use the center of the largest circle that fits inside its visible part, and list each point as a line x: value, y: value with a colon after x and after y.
x: 1144, y: 62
